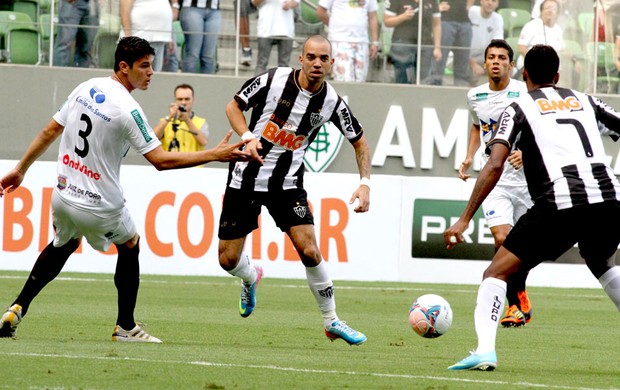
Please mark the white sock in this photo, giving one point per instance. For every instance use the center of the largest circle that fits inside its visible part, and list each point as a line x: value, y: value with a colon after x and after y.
x: 611, y: 284
x: 244, y: 269
x: 489, y: 308
x: 323, y: 290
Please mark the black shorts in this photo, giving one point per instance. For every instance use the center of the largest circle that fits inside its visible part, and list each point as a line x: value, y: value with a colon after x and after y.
x: 544, y: 233
x: 240, y: 211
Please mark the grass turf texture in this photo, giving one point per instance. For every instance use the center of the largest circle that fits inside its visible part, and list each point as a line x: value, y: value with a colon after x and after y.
x: 64, y: 342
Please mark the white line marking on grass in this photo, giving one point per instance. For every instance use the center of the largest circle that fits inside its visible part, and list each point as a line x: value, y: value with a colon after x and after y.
x: 303, y: 370
x: 597, y: 293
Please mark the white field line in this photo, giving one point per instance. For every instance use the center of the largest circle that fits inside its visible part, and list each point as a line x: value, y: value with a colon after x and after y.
x: 338, y: 284
x: 303, y: 370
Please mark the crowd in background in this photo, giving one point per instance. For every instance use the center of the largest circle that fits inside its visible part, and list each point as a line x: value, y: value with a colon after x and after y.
x: 433, y: 42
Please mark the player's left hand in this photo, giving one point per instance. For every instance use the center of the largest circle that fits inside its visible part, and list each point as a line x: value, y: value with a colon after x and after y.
x: 515, y: 159
x: 363, y: 195
x: 453, y: 235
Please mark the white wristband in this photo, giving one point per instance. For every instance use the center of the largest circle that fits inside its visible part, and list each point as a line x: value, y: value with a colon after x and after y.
x: 365, y: 181
x: 247, y: 136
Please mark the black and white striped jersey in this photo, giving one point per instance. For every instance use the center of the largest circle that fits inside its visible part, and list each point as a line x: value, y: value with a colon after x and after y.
x: 559, y: 131
x: 286, y: 119
x: 209, y: 4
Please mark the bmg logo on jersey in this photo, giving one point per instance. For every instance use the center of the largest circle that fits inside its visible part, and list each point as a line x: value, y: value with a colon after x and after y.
x: 97, y: 95
x: 284, y: 138
x: 548, y: 106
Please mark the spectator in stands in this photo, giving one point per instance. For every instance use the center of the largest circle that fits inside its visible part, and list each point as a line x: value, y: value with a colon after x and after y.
x: 77, y: 26
x: 150, y: 20
x: 544, y: 30
x: 350, y: 24
x: 244, y: 30
x: 171, y: 60
x: 201, y: 22
x: 456, y: 38
x: 276, y: 26
x: 486, y: 25
x: 182, y: 130
x: 403, y: 17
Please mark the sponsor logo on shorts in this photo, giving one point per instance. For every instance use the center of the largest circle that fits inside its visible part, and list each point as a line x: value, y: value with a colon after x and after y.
x: 140, y: 122
x: 300, y: 210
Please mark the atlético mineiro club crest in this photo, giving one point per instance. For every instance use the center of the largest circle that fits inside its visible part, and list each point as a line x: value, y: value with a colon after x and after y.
x: 324, y: 149
x: 300, y: 211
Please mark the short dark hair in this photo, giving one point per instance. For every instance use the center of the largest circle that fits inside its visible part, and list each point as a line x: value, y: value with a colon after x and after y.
x: 541, y: 63
x: 501, y: 44
x: 316, y: 38
x: 184, y: 86
x: 131, y: 49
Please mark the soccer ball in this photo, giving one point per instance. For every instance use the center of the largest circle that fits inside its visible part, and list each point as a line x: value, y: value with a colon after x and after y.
x: 430, y: 316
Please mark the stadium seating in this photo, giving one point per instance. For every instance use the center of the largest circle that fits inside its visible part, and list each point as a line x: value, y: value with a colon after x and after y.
x: 601, y: 55
x: 514, y: 20
x: 45, y: 28
x: 308, y: 18
x: 31, y: 8
x: 106, y: 39
x: 19, y: 39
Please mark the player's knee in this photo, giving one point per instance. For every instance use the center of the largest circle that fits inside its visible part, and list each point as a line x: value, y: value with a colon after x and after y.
x: 310, y: 256
x: 228, y: 259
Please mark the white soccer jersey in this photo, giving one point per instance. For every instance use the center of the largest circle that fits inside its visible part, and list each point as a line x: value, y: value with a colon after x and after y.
x: 485, y: 107
x: 286, y: 119
x: 102, y: 121
x: 558, y: 131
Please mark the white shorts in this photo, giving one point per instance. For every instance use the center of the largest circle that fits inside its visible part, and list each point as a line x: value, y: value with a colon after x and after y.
x: 100, y: 232
x: 506, y: 204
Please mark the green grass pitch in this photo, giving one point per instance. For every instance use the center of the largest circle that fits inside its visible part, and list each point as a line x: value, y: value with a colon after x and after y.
x: 573, y: 341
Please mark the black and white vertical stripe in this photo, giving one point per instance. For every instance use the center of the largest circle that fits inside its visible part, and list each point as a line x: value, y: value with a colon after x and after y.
x: 276, y: 99
x: 211, y: 4
x: 564, y: 160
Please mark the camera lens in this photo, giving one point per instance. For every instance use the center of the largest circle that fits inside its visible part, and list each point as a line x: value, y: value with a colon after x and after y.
x: 182, y: 108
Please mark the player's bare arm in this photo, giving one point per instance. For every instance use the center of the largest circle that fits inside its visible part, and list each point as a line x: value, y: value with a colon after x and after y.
x: 224, y: 151
x: 472, y: 147
x: 37, y: 147
x: 488, y: 177
x: 362, y: 155
x: 240, y: 126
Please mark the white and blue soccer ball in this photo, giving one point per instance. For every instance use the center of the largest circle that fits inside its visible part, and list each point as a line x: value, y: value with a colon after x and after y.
x: 430, y: 316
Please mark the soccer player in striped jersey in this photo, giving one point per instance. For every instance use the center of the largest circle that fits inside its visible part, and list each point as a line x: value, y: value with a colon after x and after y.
x: 97, y: 125
x: 288, y: 108
x: 575, y: 192
x: 510, y: 199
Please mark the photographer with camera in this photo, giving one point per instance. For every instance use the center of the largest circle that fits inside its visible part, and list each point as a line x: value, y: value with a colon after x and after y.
x: 181, y: 130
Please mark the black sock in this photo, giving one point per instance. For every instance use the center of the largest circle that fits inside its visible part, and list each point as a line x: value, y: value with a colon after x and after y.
x: 45, y: 269
x: 127, y: 282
